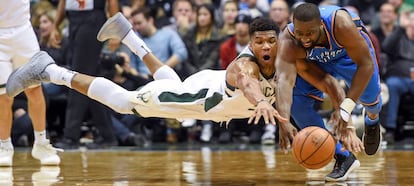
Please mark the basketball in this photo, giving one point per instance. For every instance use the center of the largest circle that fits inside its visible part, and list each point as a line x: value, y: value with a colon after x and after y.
x: 313, y: 147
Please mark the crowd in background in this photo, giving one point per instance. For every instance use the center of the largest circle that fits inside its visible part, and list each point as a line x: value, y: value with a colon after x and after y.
x: 189, y: 36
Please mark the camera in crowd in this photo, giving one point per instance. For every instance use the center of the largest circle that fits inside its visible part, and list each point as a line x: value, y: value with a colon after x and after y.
x: 109, y: 60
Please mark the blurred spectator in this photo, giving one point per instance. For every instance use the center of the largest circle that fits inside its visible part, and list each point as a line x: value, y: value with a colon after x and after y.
x: 396, y: 3
x: 388, y: 19
x: 279, y: 13
x: 202, y: 42
x: 367, y: 8
x: 39, y: 8
x: 162, y: 11
x: 406, y: 7
x: 172, y: 51
x: 85, y: 19
x: 183, y: 17
x: 229, y: 13
x: 250, y: 7
x: 230, y: 48
x: 399, y: 46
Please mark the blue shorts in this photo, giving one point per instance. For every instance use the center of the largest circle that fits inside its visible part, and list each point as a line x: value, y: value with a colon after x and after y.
x: 303, y: 105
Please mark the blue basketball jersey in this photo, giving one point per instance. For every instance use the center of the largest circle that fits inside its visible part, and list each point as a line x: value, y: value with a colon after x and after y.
x: 335, y: 59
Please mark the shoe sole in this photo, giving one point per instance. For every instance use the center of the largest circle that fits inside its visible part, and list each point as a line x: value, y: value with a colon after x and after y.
x: 268, y: 142
x: 117, y: 23
x: 354, y: 166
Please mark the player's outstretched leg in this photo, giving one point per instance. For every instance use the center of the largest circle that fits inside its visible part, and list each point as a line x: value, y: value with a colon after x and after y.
x: 116, y: 27
x: 30, y: 74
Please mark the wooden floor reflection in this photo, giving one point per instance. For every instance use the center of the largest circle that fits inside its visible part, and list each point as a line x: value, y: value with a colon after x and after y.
x: 203, y: 165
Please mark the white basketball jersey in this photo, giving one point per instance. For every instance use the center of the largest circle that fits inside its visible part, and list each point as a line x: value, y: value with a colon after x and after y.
x: 14, y: 13
x: 204, y: 95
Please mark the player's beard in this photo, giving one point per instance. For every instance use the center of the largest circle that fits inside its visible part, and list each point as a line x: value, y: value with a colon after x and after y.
x: 313, y: 43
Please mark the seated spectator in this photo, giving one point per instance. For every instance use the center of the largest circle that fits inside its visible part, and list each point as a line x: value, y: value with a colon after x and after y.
x: 229, y: 13
x: 230, y: 48
x: 182, y: 19
x: 399, y: 46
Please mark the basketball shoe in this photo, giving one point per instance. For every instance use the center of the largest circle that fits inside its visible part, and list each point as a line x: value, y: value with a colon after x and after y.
x: 372, y: 138
x: 343, y: 167
x: 30, y: 74
x: 6, y: 156
x: 268, y: 137
x: 116, y: 27
x: 46, y: 153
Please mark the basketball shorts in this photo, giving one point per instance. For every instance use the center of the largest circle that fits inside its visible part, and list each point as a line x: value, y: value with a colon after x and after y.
x: 17, y: 45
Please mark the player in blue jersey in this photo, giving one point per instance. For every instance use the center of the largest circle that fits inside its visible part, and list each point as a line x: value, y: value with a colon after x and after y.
x: 337, y: 41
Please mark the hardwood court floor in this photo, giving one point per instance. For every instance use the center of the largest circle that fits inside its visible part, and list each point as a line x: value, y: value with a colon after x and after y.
x: 194, y: 164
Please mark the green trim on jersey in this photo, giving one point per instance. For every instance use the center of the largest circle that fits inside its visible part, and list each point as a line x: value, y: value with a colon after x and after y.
x: 187, y: 97
x: 213, y: 101
x: 182, y: 98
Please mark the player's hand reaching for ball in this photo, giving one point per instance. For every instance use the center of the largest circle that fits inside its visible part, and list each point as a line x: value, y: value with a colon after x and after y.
x: 351, y: 141
x: 286, y: 134
x: 340, y: 126
x: 345, y: 131
x: 267, y: 111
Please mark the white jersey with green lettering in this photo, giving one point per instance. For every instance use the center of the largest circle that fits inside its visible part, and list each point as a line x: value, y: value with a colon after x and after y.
x: 204, y: 95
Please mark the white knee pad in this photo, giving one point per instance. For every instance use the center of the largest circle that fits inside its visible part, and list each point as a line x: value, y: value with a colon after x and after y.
x: 112, y: 95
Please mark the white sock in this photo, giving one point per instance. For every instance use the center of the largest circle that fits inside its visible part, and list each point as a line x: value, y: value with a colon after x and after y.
x: 136, y: 44
x: 166, y: 72
x: 60, y: 75
x: 7, y: 143
x: 40, y: 137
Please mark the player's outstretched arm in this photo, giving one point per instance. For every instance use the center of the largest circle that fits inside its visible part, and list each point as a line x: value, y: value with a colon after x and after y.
x: 285, y: 81
x: 244, y: 74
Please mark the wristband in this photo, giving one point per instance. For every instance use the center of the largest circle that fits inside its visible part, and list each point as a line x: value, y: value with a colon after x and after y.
x: 346, y: 108
x: 143, y: 50
x: 260, y: 100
